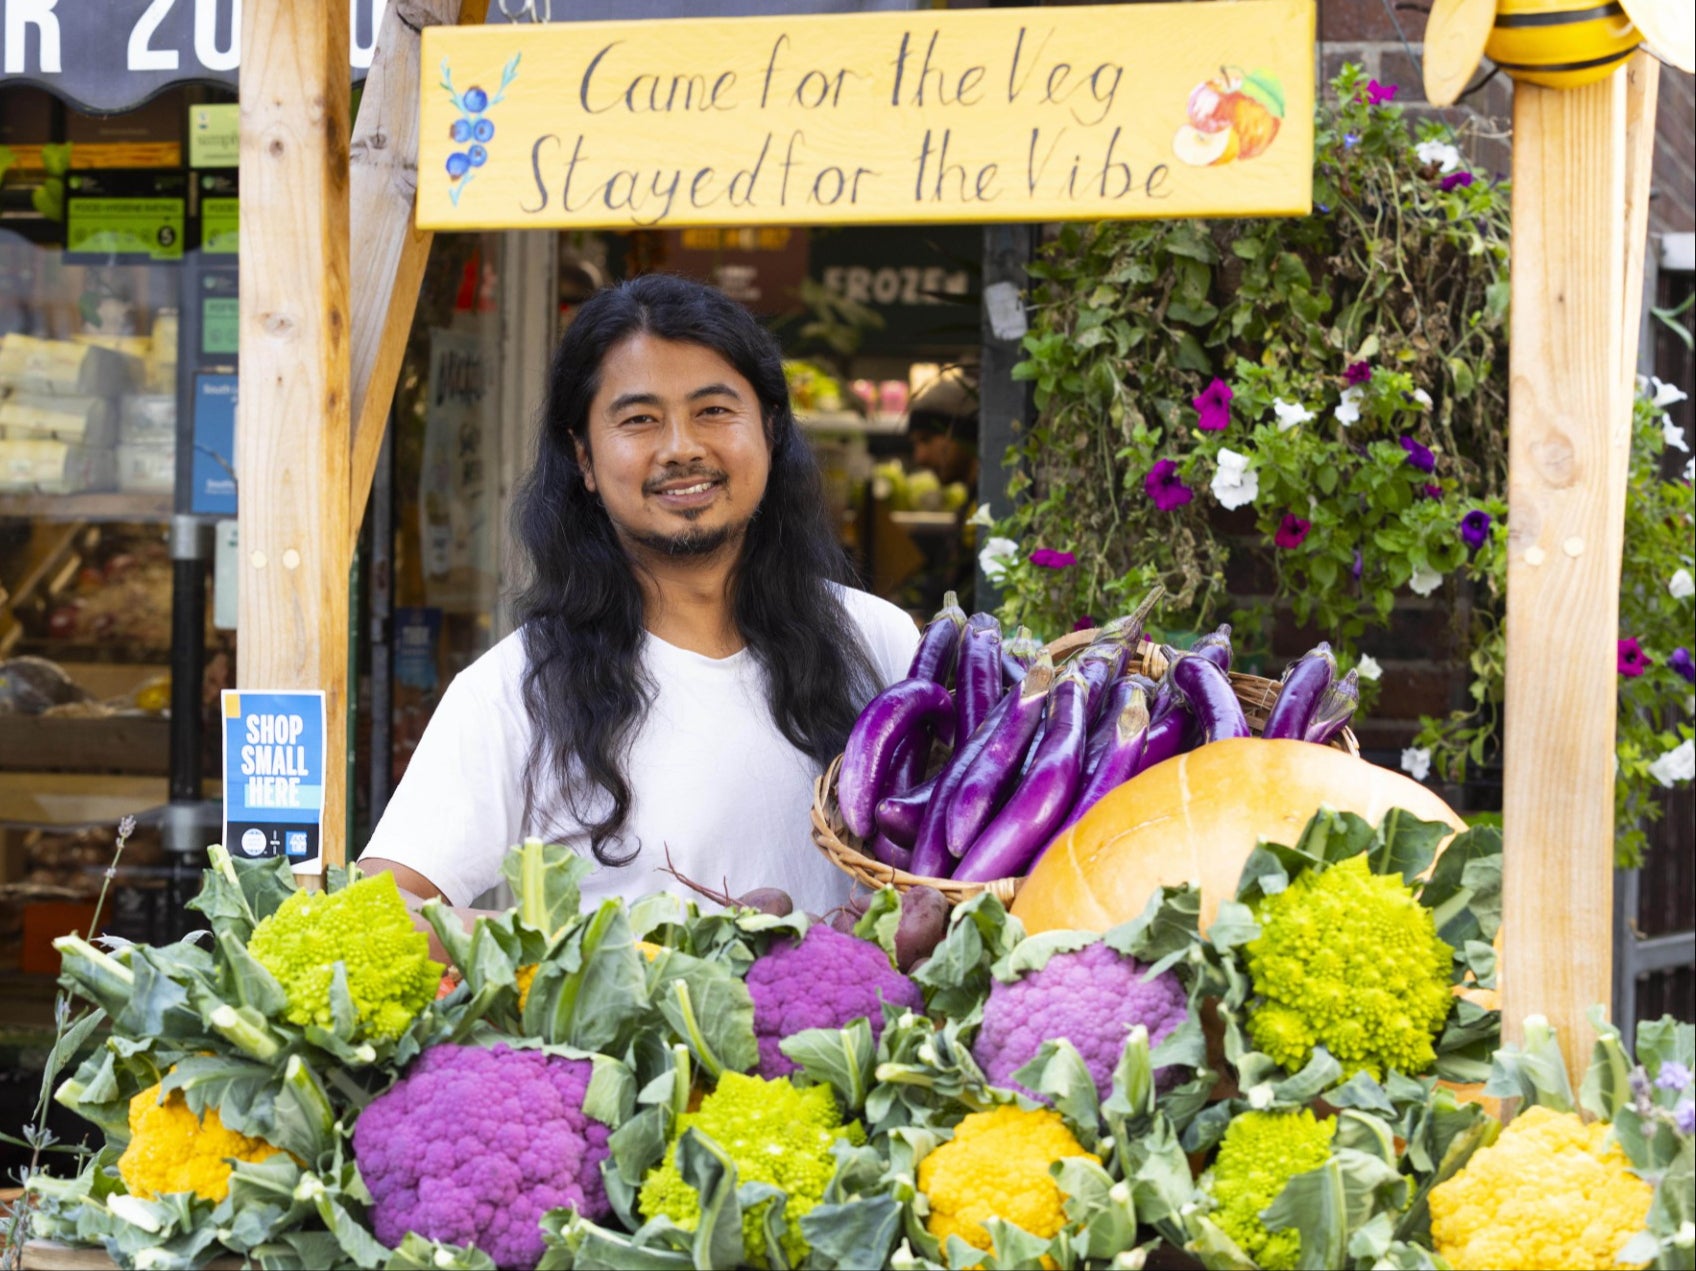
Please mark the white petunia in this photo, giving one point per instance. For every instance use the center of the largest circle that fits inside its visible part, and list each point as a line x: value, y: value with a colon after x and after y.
x: 1441, y: 153
x: 983, y: 516
x: 1235, y: 483
x: 1290, y: 414
x: 1367, y: 668
x: 1681, y: 584
x: 1425, y: 581
x: 1348, y: 409
x: 1690, y: 469
x: 1666, y: 394
x: 1673, y: 435
x: 995, y: 558
x: 1416, y: 762
x: 1678, y: 764
x: 1422, y: 397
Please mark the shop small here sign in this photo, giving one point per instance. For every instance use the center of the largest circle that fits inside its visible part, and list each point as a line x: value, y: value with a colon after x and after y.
x: 1143, y: 110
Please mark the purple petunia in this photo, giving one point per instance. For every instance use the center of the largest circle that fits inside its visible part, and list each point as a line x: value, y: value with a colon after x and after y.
x: 1632, y: 660
x: 1377, y: 94
x: 1431, y: 491
x: 1164, y: 486
x: 1475, y: 528
x: 1214, y: 406
x: 1681, y: 663
x: 1419, y: 456
x: 1084, y: 623
x: 1292, y: 530
x: 1455, y: 180
x: 1359, y: 565
x: 1048, y: 558
x: 1356, y: 374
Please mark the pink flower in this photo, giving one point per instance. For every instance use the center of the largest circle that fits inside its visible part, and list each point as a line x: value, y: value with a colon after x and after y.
x: 1291, y: 531
x: 1084, y: 623
x: 1048, y: 558
x: 1377, y: 94
x: 1165, y: 488
x: 1454, y: 180
x: 1632, y: 660
x: 1431, y: 490
x: 1356, y: 373
x: 1214, y: 406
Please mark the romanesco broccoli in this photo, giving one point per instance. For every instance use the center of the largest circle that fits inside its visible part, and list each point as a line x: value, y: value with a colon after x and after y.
x: 1350, y: 960
x: 1261, y: 1152
x: 996, y: 1166
x: 367, y: 929
x: 1550, y: 1192
x: 776, y: 1133
x: 172, y: 1150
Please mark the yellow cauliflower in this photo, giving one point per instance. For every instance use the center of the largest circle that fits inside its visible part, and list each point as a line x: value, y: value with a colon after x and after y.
x: 172, y: 1150
x: 996, y: 1166
x: 1551, y: 1192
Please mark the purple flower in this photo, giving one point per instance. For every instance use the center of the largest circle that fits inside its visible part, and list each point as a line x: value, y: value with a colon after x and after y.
x: 1684, y: 1117
x: 1475, y: 528
x: 1356, y: 373
x: 1165, y: 488
x: 1350, y: 140
x: 1673, y: 1076
x: 1292, y: 530
x: 1431, y: 491
x: 1048, y: 558
x: 1084, y: 623
x: 1681, y: 662
x: 1632, y: 660
x: 1359, y: 565
x: 1377, y: 94
x: 1214, y: 406
x: 1419, y: 456
x: 1455, y: 180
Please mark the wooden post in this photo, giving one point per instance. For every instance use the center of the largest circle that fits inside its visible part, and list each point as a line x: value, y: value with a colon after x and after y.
x: 292, y: 413
x: 1568, y: 403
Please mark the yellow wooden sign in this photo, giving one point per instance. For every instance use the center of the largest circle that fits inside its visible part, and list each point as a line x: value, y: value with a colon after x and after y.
x: 1140, y: 110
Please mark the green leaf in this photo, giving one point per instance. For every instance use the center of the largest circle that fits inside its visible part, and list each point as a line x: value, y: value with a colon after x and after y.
x: 956, y: 980
x: 1405, y: 845
x: 418, y: 1254
x: 592, y: 991
x: 842, y: 1058
x: 710, y: 1010
x: 544, y: 879
x: 1059, y: 1073
x: 1168, y: 925
x: 1267, y: 89
x: 859, y: 1233
x: 1316, y: 1205
x: 708, y: 1168
x: 1607, y: 1082
x: 1032, y: 954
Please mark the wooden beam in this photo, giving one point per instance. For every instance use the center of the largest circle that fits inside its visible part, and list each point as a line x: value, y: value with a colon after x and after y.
x: 1642, y: 90
x: 1565, y: 532
x: 389, y: 251
x: 292, y: 413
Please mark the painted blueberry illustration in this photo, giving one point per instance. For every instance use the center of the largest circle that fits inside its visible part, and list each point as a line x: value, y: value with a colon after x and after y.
x: 483, y: 130
x: 459, y: 164
x: 478, y: 156
x: 475, y: 100
x: 461, y: 131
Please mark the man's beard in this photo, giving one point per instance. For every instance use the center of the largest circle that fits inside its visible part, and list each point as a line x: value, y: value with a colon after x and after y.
x: 695, y: 541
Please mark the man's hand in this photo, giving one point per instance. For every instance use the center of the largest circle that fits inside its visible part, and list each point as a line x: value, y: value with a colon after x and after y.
x: 415, y: 889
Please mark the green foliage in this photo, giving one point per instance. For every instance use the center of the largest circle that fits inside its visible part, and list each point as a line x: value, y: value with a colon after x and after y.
x: 1355, y: 342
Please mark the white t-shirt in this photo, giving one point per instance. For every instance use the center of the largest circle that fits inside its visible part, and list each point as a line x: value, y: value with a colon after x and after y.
x: 711, y: 778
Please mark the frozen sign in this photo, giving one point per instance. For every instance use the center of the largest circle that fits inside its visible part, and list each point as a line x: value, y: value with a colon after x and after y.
x: 1076, y: 113
x: 274, y: 776
x: 109, y: 57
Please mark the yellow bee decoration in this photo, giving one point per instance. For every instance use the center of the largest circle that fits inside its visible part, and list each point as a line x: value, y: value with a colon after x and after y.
x: 1556, y: 43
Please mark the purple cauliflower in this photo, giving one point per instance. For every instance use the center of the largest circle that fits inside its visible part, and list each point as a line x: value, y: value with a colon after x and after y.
x: 473, y: 1146
x: 826, y: 981
x: 1092, y: 997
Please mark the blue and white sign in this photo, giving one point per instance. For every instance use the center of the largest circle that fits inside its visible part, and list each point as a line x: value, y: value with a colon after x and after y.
x: 274, y: 776
x: 213, y: 492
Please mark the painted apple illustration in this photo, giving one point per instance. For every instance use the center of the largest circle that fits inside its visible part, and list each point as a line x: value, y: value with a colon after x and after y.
x: 1233, y: 115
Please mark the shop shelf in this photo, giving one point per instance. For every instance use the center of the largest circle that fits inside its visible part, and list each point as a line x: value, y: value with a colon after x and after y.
x: 87, y: 507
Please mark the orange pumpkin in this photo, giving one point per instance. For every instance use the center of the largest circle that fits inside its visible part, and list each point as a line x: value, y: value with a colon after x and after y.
x: 1195, y: 819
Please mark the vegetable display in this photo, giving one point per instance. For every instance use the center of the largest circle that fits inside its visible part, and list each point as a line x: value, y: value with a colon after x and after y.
x: 171, y: 1149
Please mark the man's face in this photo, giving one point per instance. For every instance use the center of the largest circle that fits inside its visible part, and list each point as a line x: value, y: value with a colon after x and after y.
x: 677, y: 447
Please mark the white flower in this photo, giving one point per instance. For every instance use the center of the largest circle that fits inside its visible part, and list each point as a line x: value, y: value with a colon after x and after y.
x: 983, y: 516
x: 1681, y: 584
x: 996, y: 556
x: 1445, y: 156
x: 1416, y: 762
x: 1290, y: 414
x: 1260, y: 1096
x: 1690, y: 469
x: 1348, y: 410
x: 1666, y: 394
x: 1678, y: 764
x: 1367, y: 668
x: 1425, y: 581
x: 1673, y: 435
x: 1422, y: 397
x: 1235, y: 483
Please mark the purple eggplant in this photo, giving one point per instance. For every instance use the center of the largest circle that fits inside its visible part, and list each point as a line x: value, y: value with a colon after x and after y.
x: 1101, y: 729
x: 908, y: 709
x: 1165, y: 740
x: 996, y: 769
x: 1018, y: 655
x: 1306, y: 681
x: 1122, y: 635
x: 1098, y: 665
x: 978, y: 675
x: 890, y: 853
x: 1335, y: 710
x: 898, y: 815
x: 1025, y: 824
x: 930, y: 845
x: 938, y: 645
x: 1215, y: 646
x: 1209, y: 693
x: 1118, y: 759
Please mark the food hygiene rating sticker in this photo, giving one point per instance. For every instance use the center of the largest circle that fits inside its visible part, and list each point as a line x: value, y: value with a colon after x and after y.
x: 274, y: 776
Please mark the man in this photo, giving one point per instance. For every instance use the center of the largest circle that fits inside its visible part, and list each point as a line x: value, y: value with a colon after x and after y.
x: 688, y: 658
x: 942, y: 425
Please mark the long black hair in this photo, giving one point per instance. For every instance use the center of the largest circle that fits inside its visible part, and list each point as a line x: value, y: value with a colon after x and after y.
x: 584, y: 687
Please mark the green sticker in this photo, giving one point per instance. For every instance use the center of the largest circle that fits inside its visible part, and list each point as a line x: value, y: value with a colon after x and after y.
x: 220, y: 320
x: 219, y: 225
x: 214, y: 136
x: 149, y: 228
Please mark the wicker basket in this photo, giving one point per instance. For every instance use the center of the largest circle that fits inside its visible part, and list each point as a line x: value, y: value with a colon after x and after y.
x: 842, y: 847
